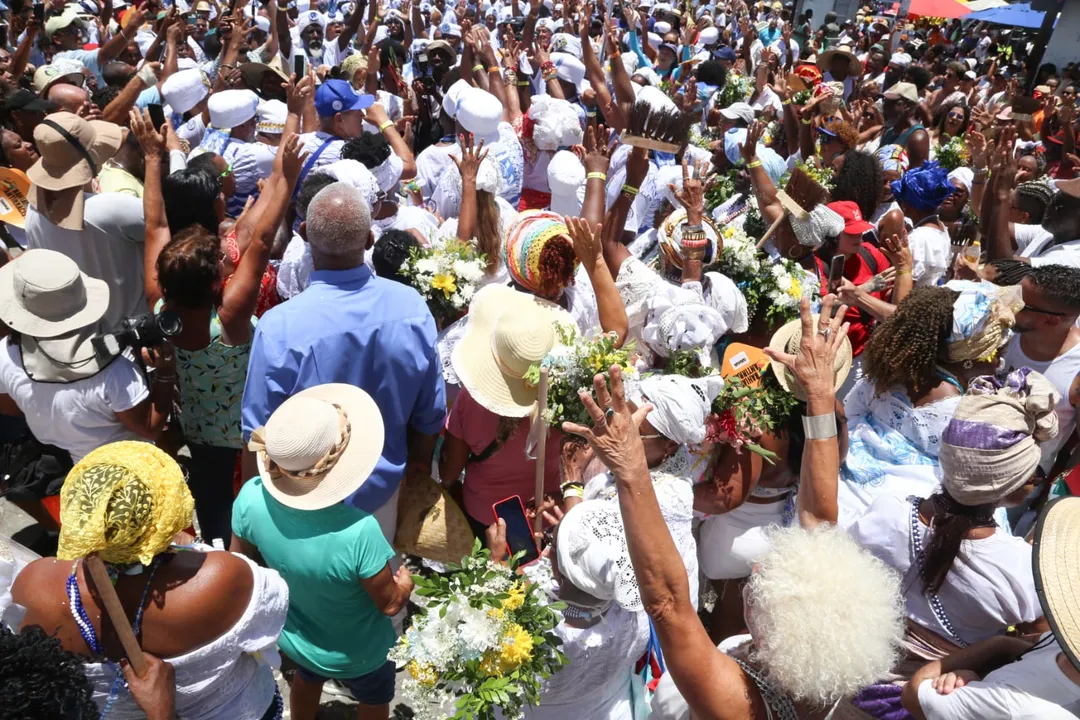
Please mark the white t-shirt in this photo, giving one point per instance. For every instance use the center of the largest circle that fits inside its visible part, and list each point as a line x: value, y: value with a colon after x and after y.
x: 931, y: 250
x: 430, y: 164
x: 1035, y: 243
x: 989, y: 588
x: 192, y: 131
x: 1033, y: 688
x: 109, y: 248
x: 313, y: 141
x: 1060, y: 372
x: 79, y: 416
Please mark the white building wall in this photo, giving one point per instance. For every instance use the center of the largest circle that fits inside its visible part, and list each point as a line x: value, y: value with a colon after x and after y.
x: 1064, y: 46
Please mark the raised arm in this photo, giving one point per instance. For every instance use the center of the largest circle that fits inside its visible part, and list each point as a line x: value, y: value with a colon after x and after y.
x: 764, y: 190
x: 21, y: 56
x: 118, y: 43
x: 121, y: 105
x: 813, y: 369
x: 589, y: 250
x: 468, y: 165
x: 597, y: 160
x: 376, y: 115
x: 352, y: 26
x: 157, y: 227
x: 281, y: 25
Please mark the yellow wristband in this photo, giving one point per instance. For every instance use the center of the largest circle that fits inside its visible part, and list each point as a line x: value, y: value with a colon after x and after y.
x: 477, y: 67
x: 906, y: 271
x: 754, y: 164
x: 630, y: 190
x: 786, y: 102
x: 806, y: 122
x: 388, y: 123
x: 596, y: 176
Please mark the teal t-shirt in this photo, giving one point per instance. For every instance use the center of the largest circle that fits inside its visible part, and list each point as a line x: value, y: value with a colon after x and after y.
x: 332, y: 628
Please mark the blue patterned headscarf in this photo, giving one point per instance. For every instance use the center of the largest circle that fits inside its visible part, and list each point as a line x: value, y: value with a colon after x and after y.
x: 923, y: 188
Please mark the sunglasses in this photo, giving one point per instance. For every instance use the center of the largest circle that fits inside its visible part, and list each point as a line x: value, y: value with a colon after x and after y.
x: 226, y: 172
x: 954, y: 116
x: 1032, y: 308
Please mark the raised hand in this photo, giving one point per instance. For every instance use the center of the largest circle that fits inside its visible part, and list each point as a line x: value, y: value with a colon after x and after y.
x: 586, y: 240
x: 821, y: 340
x: 471, y: 157
x: 614, y: 436
x: 692, y: 193
x: 753, y: 135
x: 540, y: 53
x: 291, y: 157
x: 150, y: 140
x: 297, y: 93
x: 895, y: 248
x: 597, y: 149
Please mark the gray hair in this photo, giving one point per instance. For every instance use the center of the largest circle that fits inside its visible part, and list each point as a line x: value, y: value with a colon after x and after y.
x: 338, y: 221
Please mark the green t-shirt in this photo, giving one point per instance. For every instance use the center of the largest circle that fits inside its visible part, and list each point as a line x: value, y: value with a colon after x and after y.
x: 332, y: 628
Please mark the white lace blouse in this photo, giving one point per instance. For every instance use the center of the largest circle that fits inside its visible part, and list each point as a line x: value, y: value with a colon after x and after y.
x: 229, y: 679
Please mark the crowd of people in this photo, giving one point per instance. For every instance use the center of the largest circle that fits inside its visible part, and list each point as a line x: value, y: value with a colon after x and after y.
x: 769, y: 321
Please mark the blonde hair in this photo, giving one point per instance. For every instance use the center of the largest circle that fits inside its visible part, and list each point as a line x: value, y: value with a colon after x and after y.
x: 488, y: 229
x: 826, y: 615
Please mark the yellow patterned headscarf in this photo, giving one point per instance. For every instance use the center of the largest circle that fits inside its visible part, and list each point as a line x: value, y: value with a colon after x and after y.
x: 124, y: 501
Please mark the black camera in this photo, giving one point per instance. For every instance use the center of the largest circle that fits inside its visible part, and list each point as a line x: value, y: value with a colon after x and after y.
x: 141, y: 331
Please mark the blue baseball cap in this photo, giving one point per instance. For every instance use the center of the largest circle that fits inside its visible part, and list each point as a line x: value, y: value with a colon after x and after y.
x: 725, y: 53
x: 337, y: 96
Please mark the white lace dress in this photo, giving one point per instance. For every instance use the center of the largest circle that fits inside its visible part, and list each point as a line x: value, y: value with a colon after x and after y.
x: 893, y: 448
x: 231, y: 678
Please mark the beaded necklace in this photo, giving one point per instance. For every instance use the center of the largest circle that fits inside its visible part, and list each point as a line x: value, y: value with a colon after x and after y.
x: 918, y: 554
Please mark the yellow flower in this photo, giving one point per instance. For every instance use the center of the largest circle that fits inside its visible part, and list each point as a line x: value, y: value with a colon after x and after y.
x: 496, y: 613
x: 517, y: 646
x: 445, y: 283
x: 424, y: 674
x: 516, y: 599
x: 490, y: 665
x: 795, y: 290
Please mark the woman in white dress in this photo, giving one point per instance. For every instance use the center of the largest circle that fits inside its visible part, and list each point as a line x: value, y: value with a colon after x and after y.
x: 917, y: 366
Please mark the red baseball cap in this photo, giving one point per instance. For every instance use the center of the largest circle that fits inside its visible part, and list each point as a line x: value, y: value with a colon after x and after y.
x: 853, y: 219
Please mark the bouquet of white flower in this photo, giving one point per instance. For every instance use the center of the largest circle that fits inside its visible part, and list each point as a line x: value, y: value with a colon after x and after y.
x: 484, y: 639
x: 447, y: 276
x: 789, y: 284
x: 738, y: 88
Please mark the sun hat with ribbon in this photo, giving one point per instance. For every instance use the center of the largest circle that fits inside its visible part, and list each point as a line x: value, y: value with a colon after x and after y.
x: 1056, y: 566
x: 124, y: 501
x: 990, y: 448
x: 507, y: 332
x: 787, y: 340
x: 539, y: 253
x: 44, y: 295
x: 319, y: 446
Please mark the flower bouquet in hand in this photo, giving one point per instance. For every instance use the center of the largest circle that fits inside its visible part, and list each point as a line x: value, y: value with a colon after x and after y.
x: 953, y: 154
x: 484, y: 639
x: 572, y: 364
x: 446, y: 276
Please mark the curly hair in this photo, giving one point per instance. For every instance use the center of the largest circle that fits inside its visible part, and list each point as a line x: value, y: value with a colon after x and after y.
x: 188, y: 268
x: 1061, y: 283
x: 856, y: 603
x: 860, y: 181
x: 905, y: 348
x: 370, y: 149
x: 39, y: 679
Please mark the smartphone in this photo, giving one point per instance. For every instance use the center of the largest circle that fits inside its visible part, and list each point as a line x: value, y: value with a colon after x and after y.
x: 300, y: 66
x: 519, y: 536
x: 836, y: 272
x: 39, y: 13
x: 157, y: 115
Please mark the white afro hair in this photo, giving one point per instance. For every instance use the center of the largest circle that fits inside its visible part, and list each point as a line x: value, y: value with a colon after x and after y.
x: 826, y: 615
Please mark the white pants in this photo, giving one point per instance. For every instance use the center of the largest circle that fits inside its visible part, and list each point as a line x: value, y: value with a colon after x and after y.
x: 732, y: 542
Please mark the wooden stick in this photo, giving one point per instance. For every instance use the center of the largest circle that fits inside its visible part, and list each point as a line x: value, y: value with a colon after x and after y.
x: 772, y: 229
x: 541, y: 447
x: 109, y: 598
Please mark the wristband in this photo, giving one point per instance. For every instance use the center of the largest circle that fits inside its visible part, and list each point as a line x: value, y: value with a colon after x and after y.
x: 806, y: 122
x: 493, y: 69
x: 573, y: 492
x: 819, y: 427
x: 901, y: 273
x: 388, y: 123
x: 523, y: 83
x: 630, y: 190
x: 596, y: 176
x: 615, y: 54
x: 786, y: 102
x: 571, y: 485
x: 477, y: 67
x: 753, y: 164
x: 590, y: 113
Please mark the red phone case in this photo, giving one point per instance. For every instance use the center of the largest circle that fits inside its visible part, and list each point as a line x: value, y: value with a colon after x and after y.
x: 509, y: 550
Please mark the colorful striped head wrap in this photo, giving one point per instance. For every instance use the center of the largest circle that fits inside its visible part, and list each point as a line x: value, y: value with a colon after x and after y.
x: 539, y: 254
x: 893, y: 157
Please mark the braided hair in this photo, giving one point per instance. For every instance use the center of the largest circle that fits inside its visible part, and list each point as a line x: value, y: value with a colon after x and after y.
x: 905, y: 348
x: 1033, y: 198
x: 39, y: 679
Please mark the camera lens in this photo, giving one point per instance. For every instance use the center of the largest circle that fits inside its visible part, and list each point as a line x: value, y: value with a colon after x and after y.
x: 169, y: 324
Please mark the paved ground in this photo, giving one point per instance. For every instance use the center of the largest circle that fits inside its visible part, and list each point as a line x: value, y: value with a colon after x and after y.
x: 16, y: 524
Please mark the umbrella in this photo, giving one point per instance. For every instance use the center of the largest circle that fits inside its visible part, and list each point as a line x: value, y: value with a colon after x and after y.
x: 1020, y: 15
x: 977, y: 5
x: 936, y: 8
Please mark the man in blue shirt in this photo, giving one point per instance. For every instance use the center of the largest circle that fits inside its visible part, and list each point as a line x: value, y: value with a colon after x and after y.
x: 351, y: 327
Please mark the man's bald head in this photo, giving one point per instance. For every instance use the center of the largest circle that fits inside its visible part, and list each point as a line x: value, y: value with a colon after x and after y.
x: 338, y: 227
x: 68, y: 97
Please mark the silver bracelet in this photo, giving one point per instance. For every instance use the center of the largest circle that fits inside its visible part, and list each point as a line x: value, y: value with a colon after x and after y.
x: 819, y: 427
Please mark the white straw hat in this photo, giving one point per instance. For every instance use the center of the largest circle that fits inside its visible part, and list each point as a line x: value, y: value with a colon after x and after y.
x: 43, y: 295
x: 507, y: 332
x: 787, y: 340
x: 1057, y: 572
x: 319, y: 446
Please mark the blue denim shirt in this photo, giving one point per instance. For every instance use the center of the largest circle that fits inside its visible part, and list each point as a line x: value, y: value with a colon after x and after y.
x: 351, y: 327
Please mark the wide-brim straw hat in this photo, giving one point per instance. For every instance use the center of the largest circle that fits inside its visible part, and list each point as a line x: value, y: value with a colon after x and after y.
x: 787, y: 339
x: 507, y: 332
x: 1056, y: 564
x: 825, y: 58
x: 430, y: 524
x: 319, y: 446
x: 67, y: 152
x: 44, y: 295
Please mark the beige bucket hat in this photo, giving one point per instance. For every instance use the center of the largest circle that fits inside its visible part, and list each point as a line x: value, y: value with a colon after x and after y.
x: 319, y: 446
x: 507, y: 332
x: 44, y: 295
x: 1056, y: 565
x: 787, y: 339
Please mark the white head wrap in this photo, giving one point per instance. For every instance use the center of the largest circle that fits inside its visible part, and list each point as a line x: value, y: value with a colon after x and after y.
x: 593, y: 556
x: 566, y: 179
x: 389, y: 172
x: 311, y: 17
x: 822, y: 223
x: 356, y: 174
x: 678, y: 320
x: 681, y: 405
x: 965, y: 175
x: 555, y: 123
